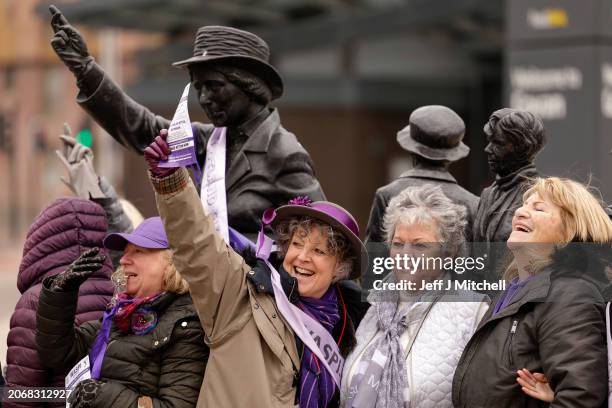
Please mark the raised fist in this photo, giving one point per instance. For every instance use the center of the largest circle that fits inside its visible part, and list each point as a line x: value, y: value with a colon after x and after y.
x: 78, y: 272
x: 69, y: 44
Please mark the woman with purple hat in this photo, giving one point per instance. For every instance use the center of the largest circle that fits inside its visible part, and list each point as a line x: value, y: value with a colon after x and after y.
x: 148, y: 349
x: 278, y: 334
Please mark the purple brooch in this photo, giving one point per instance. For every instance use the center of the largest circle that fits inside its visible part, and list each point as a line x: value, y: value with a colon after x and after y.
x: 143, y: 321
x: 300, y: 200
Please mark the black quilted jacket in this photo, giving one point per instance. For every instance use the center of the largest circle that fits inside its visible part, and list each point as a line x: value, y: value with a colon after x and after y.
x: 166, y: 364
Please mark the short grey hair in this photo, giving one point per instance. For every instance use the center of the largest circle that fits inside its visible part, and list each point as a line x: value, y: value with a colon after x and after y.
x: 428, y: 205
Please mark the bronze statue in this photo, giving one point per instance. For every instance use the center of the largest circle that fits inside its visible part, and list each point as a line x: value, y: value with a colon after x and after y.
x: 235, y: 84
x: 433, y: 139
x: 514, y: 139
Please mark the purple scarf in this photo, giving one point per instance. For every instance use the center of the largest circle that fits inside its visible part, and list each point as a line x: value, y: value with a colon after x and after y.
x: 512, y: 290
x: 125, y: 310
x: 316, y: 384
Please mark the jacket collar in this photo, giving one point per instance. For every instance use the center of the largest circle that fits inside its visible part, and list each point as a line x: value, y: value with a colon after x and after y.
x: 170, y: 308
x: 433, y: 174
x: 348, y: 295
x: 536, y: 289
x: 583, y: 260
x: 251, y: 125
x: 510, y: 181
x: 261, y: 130
x: 261, y: 277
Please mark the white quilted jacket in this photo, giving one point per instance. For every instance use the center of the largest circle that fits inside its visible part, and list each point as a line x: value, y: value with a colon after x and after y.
x: 435, y: 353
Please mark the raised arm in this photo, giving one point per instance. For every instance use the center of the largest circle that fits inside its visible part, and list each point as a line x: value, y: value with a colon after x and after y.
x: 130, y: 123
x: 84, y: 182
x: 215, y: 273
x: 59, y: 342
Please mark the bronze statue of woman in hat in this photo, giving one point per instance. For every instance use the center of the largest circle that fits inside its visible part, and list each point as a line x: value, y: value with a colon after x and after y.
x: 235, y: 84
x: 433, y: 138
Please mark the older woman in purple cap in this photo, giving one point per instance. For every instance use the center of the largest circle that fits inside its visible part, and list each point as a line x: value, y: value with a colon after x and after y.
x: 149, y: 348
x: 278, y: 338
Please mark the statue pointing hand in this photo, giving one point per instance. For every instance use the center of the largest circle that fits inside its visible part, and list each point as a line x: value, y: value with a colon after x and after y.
x: 231, y: 75
x: 69, y: 44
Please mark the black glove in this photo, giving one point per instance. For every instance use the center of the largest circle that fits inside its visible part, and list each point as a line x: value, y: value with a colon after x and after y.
x: 69, y: 44
x: 85, y: 393
x: 78, y: 271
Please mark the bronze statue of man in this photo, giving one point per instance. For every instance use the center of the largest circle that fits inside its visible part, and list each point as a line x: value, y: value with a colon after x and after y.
x: 514, y: 138
x: 235, y: 83
x: 433, y: 139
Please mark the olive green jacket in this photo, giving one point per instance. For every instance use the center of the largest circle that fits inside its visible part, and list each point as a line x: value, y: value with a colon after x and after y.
x: 254, y: 360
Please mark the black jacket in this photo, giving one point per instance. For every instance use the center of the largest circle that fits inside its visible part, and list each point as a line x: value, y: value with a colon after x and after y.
x: 555, y: 325
x: 166, y: 364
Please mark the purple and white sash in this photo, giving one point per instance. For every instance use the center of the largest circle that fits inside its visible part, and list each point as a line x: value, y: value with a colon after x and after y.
x: 314, y: 336
x: 213, y: 185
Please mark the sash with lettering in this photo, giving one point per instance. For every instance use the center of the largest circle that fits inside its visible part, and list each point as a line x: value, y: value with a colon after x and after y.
x: 311, y: 332
x: 213, y: 184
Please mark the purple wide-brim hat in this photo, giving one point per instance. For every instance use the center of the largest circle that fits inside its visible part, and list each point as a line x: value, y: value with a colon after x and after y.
x: 149, y: 234
x: 337, y: 217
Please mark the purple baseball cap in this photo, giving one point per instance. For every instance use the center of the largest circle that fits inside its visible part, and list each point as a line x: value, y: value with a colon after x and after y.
x: 149, y: 234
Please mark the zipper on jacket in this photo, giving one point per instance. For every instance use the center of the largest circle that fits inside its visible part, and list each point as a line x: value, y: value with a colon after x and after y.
x: 512, y: 332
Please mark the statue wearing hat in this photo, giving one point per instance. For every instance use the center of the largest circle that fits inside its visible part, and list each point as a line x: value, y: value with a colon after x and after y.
x: 514, y: 139
x: 434, y: 139
x: 235, y: 83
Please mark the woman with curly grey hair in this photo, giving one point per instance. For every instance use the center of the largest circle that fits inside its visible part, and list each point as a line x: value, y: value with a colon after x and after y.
x: 278, y: 333
x: 408, y: 348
